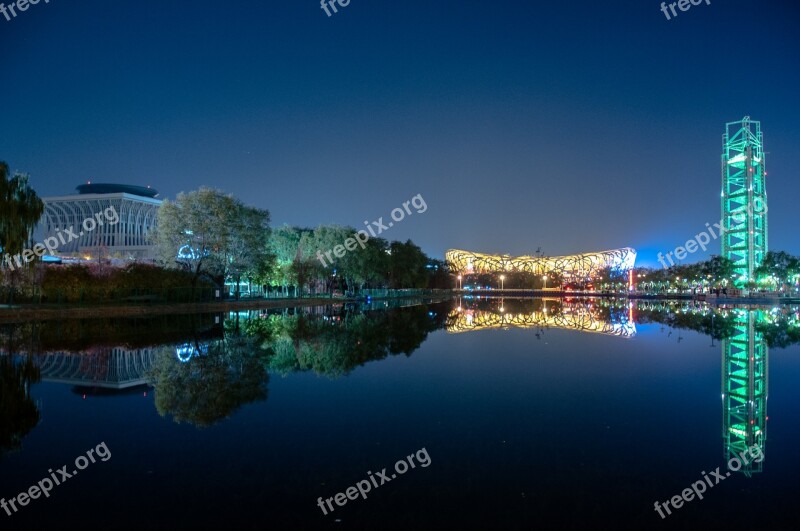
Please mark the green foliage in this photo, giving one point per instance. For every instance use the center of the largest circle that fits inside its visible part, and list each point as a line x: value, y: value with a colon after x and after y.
x: 715, y: 324
x: 778, y: 268
x: 611, y: 277
x: 717, y: 271
x: 337, y: 345
x: 213, y: 235
x: 20, y: 211
x: 407, y: 266
x: 91, y: 283
x: 377, y: 264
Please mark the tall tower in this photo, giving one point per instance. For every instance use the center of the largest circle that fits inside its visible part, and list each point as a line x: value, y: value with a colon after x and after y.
x: 744, y: 197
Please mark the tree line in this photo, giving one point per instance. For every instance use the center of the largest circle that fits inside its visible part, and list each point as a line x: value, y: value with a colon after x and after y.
x: 213, y: 235
x: 205, y: 239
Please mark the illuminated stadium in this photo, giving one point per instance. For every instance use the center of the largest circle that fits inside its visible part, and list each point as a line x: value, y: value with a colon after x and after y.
x: 572, y: 267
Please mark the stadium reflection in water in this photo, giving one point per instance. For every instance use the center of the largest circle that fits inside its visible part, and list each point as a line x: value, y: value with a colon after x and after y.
x: 582, y: 315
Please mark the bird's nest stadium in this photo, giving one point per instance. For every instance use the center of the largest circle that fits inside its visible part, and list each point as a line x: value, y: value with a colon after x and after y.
x: 577, y: 266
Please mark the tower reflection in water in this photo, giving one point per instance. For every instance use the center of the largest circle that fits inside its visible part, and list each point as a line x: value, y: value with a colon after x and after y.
x: 745, y: 380
x: 745, y: 350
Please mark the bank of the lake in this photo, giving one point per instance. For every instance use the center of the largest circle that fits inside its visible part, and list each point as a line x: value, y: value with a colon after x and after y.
x: 33, y: 312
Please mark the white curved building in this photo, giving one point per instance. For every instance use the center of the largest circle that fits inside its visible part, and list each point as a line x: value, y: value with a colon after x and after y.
x: 128, y: 238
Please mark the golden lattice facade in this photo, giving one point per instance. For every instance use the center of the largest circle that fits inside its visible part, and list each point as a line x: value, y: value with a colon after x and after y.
x: 577, y: 266
x: 579, y: 318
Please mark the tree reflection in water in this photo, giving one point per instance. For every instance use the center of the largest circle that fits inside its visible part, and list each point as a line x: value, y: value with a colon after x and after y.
x: 18, y: 412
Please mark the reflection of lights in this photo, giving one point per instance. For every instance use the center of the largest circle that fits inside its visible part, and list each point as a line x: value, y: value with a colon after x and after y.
x: 187, y: 253
x: 577, y: 319
x: 185, y: 352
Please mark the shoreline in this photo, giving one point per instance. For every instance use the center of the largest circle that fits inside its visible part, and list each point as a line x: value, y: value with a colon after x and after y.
x: 25, y: 313
x: 28, y: 312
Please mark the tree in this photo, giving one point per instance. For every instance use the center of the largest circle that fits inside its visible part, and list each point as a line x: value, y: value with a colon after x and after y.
x: 20, y: 212
x: 439, y: 275
x: 248, y: 253
x: 214, y: 235
x: 780, y: 266
x: 368, y: 265
x: 283, y: 244
x: 717, y: 269
x: 407, y: 265
x: 611, y: 277
x: 302, y: 267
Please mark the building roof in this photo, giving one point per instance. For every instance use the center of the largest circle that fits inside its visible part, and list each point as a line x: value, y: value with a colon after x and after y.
x: 104, y: 188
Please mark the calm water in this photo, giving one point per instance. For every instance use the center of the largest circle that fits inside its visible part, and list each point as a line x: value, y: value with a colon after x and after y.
x: 532, y: 414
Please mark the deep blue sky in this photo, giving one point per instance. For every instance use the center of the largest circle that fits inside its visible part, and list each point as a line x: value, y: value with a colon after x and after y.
x: 574, y: 126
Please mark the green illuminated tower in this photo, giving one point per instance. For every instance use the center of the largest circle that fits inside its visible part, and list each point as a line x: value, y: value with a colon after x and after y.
x: 745, y: 382
x: 744, y: 197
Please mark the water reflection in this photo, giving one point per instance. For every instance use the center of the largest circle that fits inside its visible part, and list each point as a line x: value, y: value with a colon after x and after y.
x: 98, y: 367
x: 211, y: 385
x: 745, y: 389
x: 585, y: 315
x: 206, y: 367
x: 745, y: 335
x: 18, y: 412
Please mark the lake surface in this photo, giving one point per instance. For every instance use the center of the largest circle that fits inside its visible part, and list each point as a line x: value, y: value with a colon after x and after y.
x: 517, y: 414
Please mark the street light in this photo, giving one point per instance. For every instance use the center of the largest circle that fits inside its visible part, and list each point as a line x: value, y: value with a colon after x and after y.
x: 502, y: 278
x: 544, y: 278
x: 459, y: 281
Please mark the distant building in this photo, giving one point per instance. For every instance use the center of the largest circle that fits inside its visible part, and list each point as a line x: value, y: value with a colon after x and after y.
x: 103, y: 220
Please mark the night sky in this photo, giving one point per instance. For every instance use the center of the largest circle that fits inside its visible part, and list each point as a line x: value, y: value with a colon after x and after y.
x: 574, y: 126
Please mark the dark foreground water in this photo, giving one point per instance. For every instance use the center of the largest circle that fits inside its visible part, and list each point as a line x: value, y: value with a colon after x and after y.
x: 516, y: 414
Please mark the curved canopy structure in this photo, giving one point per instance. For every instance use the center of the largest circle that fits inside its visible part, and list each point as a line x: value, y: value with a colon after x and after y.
x: 585, y: 265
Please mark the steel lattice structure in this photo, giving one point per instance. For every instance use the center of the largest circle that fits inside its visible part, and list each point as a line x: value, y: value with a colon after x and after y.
x: 579, y: 266
x: 745, y: 382
x: 129, y: 237
x: 744, y: 197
